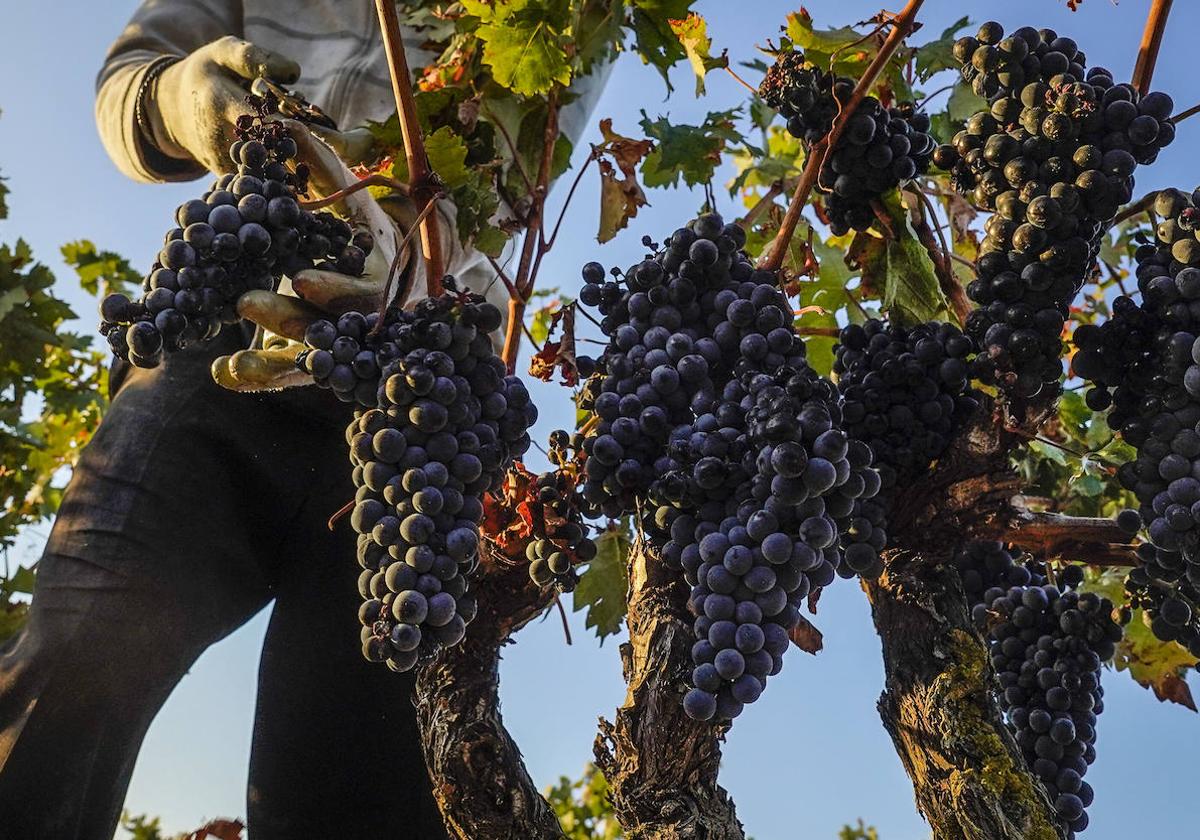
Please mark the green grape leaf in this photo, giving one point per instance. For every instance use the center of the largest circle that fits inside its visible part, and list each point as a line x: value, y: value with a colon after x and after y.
x: 848, y: 52
x: 21, y: 581
x: 448, y: 157
x: 938, y: 55
x: 1162, y: 667
x: 1159, y: 666
x: 597, y: 34
x: 653, y: 39
x: 604, y: 585
x: 524, y: 43
x: 901, y: 272
x: 100, y: 272
x: 692, y: 32
x: 12, y: 618
x: 782, y: 158
x: 688, y: 152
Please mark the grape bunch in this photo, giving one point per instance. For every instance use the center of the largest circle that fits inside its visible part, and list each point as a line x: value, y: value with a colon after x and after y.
x: 447, y: 425
x: 347, y: 356
x: 905, y: 391
x: 664, y: 338
x: 1144, y: 367
x: 1048, y: 646
x: 1173, y: 608
x: 560, y: 536
x: 1053, y: 157
x: 753, y: 555
x: 702, y: 373
x: 988, y: 569
x: 879, y: 148
x: 244, y: 233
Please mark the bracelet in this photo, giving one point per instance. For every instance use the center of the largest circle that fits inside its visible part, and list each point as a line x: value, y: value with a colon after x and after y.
x: 153, y: 70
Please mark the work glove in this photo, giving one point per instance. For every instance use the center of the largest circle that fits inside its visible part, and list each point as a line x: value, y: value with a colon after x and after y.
x: 196, y: 101
x: 314, y: 294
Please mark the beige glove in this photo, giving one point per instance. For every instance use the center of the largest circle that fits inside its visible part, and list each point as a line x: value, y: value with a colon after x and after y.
x: 196, y: 101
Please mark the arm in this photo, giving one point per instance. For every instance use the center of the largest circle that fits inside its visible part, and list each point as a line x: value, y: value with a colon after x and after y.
x: 158, y: 28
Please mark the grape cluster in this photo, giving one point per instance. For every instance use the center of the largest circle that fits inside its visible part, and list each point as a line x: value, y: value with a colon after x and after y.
x: 878, y: 149
x: 988, y: 569
x: 560, y: 537
x: 905, y: 391
x: 347, y: 355
x: 1173, y: 608
x: 752, y: 555
x: 1048, y: 647
x: 1054, y: 157
x: 447, y: 424
x: 702, y: 375
x: 244, y: 233
x: 666, y: 328
x: 1144, y: 366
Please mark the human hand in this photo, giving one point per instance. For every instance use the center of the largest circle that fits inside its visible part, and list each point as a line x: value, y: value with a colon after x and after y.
x: 196, y: 101
x: 317, y: 293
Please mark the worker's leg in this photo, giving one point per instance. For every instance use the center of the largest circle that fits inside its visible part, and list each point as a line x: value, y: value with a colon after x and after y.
x: 335, y: 752
x: 149, y: 562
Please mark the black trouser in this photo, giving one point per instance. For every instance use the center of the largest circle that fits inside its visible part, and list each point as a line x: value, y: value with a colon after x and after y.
x: 191, y: 509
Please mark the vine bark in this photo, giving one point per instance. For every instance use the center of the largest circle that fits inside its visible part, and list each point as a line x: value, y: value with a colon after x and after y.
x: 478, y: 775
x: 660, y: 764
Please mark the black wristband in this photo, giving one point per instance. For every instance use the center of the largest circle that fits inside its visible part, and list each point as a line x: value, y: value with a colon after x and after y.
x: 153, y: 70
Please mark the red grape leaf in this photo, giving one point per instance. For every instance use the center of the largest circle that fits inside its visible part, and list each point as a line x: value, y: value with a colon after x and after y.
x: 558, y: 355
x: 807, y: 637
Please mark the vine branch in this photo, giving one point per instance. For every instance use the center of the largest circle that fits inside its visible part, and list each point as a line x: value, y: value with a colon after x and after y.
x: 422, y: 181
x: 812, y: 167
x: 376, y: 180
x: 1093, y: 540
x: 533, y: 247
x: 1156, y: 25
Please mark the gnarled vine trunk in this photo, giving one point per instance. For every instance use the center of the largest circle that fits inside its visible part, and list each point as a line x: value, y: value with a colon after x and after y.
x: 938, y: 703
x: 969, y: 778
x: 660, y: 764
x: 479, y: 778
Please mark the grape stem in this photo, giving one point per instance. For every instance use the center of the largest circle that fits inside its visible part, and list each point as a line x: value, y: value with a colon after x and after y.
x: 422, y: 181
x: 1183, y: 115
x: 376, y: 180
x: 947, y: 279
x: 764, y: 204
x: 740, y: 80
x: 1140, y: 206
x: 339, y: 513
x: 1156, y: 25
x: 812, y: 168
x: 534, y: 246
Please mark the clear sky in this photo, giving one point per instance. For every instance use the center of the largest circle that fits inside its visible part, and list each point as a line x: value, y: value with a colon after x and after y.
x: 811, y: 754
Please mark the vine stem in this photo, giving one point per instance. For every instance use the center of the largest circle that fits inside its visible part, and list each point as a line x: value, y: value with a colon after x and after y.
x: 1156, y: 25
x: 1095, y: 541
x: 812, y: 168
x: 951, y: 287
x: 534, y: 246
x: 1140, y: 206
x: 376, y: 180
x: 421, y: 179
x: 764, y: 203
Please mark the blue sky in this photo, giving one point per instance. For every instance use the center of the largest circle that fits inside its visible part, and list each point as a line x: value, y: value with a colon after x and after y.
x: 811, y: 754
